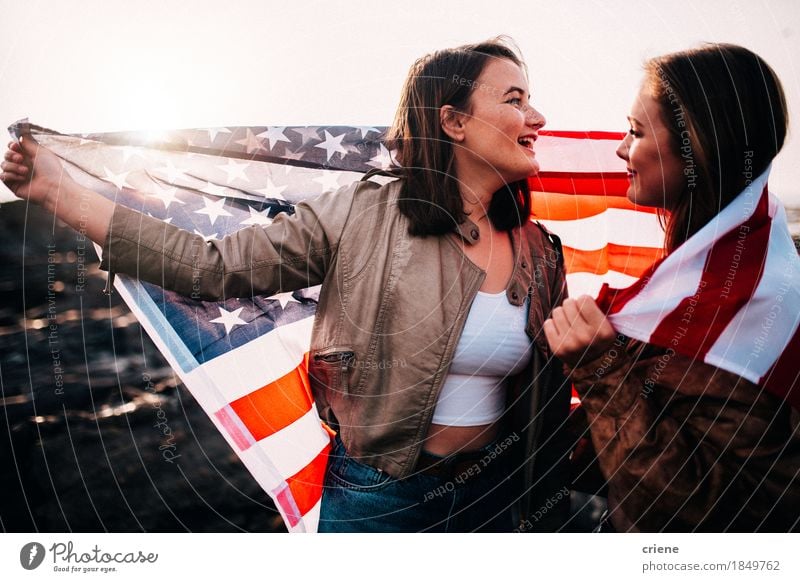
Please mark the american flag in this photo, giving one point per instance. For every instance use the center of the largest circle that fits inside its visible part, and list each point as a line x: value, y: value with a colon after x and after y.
x: 729, y: 295
x: 245, y: 359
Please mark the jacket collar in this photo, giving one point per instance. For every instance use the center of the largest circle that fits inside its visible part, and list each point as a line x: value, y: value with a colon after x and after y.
x: 469, y: 231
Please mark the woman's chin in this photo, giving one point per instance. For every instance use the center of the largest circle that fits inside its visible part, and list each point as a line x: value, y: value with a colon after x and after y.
x: 640, y: 201
x: 531, y: 169
x: 523, y: 172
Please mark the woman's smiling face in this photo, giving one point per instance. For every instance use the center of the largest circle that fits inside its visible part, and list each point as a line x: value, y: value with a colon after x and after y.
x: 655, y: 170
x: 502, y: 126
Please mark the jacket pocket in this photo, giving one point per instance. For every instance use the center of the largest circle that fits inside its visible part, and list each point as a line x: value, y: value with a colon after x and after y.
x: 346, y: 472
x: 331, y: 368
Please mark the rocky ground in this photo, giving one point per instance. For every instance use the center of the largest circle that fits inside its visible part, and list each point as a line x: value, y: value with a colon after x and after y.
x: 82, y: 388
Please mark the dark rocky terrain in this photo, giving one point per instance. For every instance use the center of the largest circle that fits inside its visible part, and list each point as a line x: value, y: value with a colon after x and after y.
x: 82, y: 389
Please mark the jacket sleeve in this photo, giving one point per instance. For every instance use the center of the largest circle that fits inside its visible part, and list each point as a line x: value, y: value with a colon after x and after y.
x: 293, y: 252
x: 675, y: 438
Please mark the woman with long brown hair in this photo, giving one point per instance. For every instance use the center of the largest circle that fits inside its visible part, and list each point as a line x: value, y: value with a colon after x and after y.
x: 688, y: 379
x: 440, y: 271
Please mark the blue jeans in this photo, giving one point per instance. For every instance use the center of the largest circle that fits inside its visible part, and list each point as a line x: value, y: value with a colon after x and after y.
x: 359, y: 498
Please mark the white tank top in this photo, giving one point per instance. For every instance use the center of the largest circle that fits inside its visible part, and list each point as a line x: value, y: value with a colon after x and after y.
x: 492, y: 346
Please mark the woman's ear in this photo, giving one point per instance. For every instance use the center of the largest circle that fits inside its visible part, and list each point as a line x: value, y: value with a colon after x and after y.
x: 452, y: 121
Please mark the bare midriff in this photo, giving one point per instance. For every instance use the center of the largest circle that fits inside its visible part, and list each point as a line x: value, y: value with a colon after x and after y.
x: 445, y: 440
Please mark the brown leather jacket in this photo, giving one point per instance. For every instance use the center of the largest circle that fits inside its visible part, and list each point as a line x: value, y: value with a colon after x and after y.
x: 390, y: 313
x: 685, y: 446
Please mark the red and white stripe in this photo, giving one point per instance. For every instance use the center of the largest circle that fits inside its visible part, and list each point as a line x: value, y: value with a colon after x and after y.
x: 730, y: 295
x: 259, y: 399
x: 580, y: 195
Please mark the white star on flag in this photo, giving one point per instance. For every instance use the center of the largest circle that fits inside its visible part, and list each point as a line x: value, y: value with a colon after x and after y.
x: 213, y: 209
x: 207, y: 237
x: 271, y: 191
x: 365, y: 130
x: 229, y: 319
x: 251, y: 142
x: 382, y: 159
x: 167, y: 220
x: 213, y: 131
x: 235, y: 171
x: 173, y: 173
x: 274, y: 135
x: 309, y: 134
x: 257, y: 218
x: 283, y: 298
x: 331, y: 145
x: 329, y: 180
x: 166, y: 195
x: 117, y: 179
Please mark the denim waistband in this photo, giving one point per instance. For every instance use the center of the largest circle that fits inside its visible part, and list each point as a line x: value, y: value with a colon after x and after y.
x: 504, y: 441
x: 444, y: 466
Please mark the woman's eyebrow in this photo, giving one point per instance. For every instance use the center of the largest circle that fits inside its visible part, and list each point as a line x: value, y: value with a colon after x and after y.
x: 634, y: 120
x: 512, y: 89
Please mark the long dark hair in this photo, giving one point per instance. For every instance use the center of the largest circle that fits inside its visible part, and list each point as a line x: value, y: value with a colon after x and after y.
x: 430, y: 195
x: 727, y: 115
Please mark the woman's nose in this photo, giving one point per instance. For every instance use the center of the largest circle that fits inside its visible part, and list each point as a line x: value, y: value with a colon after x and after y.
x: 623, y: 148
x: 535, y: 118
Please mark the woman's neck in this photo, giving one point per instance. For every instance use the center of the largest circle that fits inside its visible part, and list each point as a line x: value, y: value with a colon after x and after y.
x: 477, y: 189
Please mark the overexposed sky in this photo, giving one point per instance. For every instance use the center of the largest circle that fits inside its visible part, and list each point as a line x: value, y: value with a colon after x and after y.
x: 105, y: 65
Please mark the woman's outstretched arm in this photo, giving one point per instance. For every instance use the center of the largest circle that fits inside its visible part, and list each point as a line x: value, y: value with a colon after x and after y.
x: 36, y: 174
x: 292, y: 253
